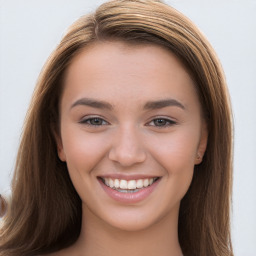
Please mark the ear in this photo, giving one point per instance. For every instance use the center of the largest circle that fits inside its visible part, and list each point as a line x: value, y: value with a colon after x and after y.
x: 59, y: 144
x: 202, y: 144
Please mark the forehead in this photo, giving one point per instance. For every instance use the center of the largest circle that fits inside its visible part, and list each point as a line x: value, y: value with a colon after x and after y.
x: 116, y: 70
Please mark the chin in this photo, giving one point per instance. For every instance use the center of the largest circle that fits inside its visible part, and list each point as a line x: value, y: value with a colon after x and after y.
x: 137, y: 218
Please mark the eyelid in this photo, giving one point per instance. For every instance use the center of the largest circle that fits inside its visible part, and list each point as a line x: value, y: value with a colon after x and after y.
x: 87, y: 118
x: 170, y: 122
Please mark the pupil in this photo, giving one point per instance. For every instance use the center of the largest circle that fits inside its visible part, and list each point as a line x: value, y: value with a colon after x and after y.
x: 160, y: 122
x: 96, y: 121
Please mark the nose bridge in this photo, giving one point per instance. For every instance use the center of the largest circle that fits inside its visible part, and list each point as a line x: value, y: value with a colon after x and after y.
x: 127, y: 147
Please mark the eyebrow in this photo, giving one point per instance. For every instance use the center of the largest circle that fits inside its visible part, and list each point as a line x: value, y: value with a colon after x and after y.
x: 92, y: 103
x: 151, y: 105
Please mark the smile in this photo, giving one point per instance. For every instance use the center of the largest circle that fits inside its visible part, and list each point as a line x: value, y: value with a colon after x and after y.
x: 128, y: 186
x: 129, y: 191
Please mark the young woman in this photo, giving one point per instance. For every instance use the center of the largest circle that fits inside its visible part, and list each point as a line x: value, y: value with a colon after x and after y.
x: 127, y: 146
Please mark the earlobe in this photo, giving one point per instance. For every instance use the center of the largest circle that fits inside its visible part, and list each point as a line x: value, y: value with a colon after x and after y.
x: 60, y: 149
x: 202, y: 144
x: 61, y: 153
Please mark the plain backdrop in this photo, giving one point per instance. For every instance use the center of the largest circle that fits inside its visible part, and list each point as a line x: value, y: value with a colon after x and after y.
x: 30, y: 30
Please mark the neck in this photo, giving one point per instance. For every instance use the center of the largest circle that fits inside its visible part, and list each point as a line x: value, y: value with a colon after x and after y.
x: 99, y: 238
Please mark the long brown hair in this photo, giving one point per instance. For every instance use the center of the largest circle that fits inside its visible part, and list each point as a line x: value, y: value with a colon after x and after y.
x: 45, y: 211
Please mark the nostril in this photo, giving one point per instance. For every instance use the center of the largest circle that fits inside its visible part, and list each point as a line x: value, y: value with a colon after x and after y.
x: 127, y: 147
x: 127, y: 158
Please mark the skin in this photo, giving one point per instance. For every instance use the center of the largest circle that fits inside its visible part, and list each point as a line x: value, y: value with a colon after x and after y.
x: 129, y: 139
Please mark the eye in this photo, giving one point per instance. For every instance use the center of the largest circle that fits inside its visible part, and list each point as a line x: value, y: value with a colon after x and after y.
x: 161, y: 122
x: 94, y: 121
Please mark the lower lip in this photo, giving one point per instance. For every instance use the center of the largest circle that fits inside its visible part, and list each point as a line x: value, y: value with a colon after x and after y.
x: 129, y: 197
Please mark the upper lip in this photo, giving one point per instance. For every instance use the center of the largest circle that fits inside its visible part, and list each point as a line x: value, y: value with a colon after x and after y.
x: 121, y: 176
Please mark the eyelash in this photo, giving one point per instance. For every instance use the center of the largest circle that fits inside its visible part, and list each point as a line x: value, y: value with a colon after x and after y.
x: 165, y: 122
x: 88, y: 121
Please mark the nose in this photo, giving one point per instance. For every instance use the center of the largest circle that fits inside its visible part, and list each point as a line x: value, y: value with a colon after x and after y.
x: 127, y: 148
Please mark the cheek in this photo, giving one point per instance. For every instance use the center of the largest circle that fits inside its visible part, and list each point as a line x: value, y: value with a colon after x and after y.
x: 83, y: 151
x: 176, y: 151
x: 176, y: 155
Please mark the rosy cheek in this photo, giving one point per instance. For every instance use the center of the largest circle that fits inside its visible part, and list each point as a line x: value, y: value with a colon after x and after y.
x: 176, y: 151
x: 83, y: 150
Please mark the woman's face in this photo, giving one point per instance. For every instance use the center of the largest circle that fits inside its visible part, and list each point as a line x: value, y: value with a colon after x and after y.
x: 131, y: 133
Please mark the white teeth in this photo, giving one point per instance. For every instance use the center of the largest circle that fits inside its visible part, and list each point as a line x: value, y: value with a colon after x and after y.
x: 111, y: 183
x: 131, y: 184
x: 139, y: 184
x: 128, y: 185
x: 145, y: 182
x: 123, y: 184
x: 116, y: 183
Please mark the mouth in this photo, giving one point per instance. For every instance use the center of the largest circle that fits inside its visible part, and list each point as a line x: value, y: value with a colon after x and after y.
x: 129, y: 191
x: 128, y: 186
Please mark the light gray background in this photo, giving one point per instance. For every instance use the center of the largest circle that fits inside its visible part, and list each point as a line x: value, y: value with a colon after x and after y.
x: 30, y: 30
